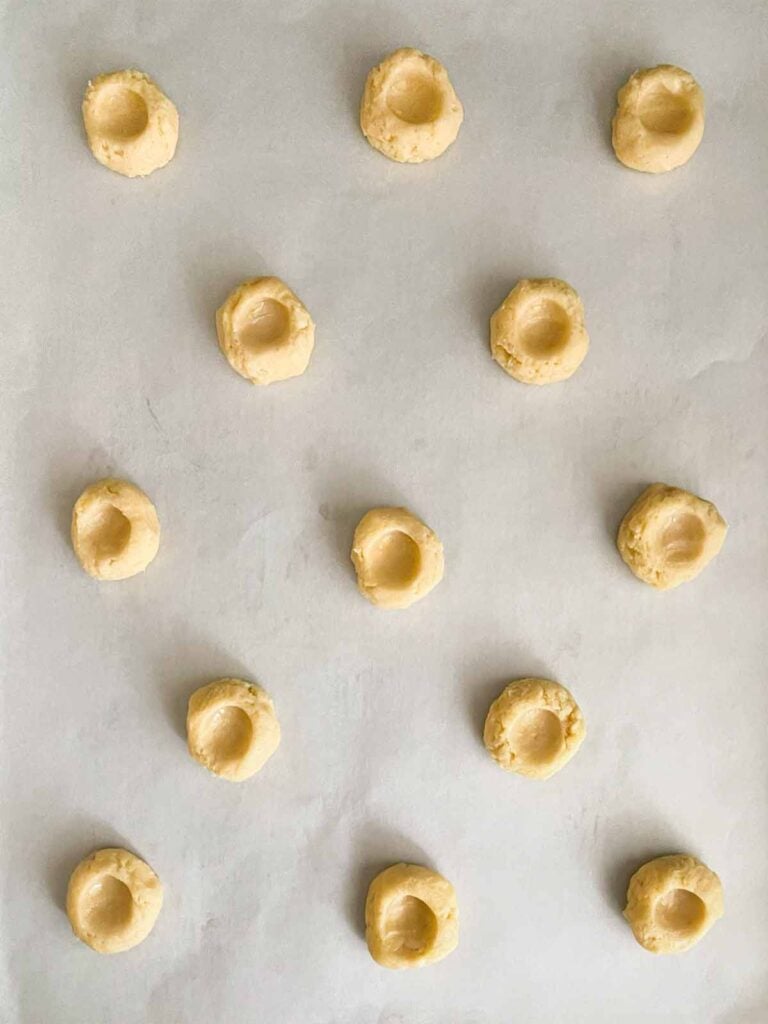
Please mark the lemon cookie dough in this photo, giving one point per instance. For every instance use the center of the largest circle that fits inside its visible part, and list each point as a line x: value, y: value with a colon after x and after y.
x: 115, y: 530
x: 232, y: 728
x: 132, y: 127
x: 672, y: 902
x: 397, y: 558
x: 411, y: 917
x: 537, y: 333
x: 409, y: 110
x: 533, y: 728
x: 113, y: 900
x: 659, y: 120
x: 670, y: 535
x: 265, y: 331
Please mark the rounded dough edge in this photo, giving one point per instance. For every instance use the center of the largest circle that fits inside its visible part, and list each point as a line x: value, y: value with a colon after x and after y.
x: 410, y: 141
x: 254, y: 701
x: 137, y: 876
x: 400, y: 881
x: 110, y: 139
x: 375, y: 526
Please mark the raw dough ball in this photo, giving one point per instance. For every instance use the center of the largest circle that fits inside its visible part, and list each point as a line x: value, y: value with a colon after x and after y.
x: 113, y: 900
x: 669, y: 535
x: 409, y: 110
x: 672, y: 902
x: 534, y: 728
x: 232, y: 728
x: 659, y: 121
x: 537, y: 333
x: 115, y: 530
x: 411, y: 917
x: 265, y: 331
x: 398, y: 559
x: 132, y: 127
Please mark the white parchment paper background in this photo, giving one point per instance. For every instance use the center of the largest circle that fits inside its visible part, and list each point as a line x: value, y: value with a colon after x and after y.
x: 110, y: 365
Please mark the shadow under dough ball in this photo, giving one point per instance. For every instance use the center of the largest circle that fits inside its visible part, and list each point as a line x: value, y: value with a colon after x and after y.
x: 132, y: 127
x: 409, y: 110
x: 411, y: 917
x: 672, y: 902
x: 669, y: 535
x: 659, y: 119
x: 113, y: 900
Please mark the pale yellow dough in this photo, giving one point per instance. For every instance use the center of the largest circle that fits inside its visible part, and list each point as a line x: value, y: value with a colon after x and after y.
x: 670, y: 535
x: 534, y: 728
x: 113, y: 900
x: 265, y: 331
x: 115, y: 530
x: 232, y: 728
x: 409, y: 110
x: 397, y: 558
x: 672, y: 902
x: 537, y: 333
x: 411, y: 917
x: 659, y: 120
x: 132, y: 127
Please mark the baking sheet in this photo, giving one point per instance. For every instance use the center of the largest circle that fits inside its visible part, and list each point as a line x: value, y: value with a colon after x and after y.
x: 110, y: 366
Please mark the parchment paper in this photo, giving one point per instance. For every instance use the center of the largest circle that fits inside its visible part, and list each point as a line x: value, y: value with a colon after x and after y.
x: 110, y: 366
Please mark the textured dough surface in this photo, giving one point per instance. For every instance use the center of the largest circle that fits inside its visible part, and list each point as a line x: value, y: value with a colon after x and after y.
x: 409, y: 110
x: 132, y: 127
x: 534, y: 728
x: 659, y: 119
x: 538, y: 334
x: 397, y: 558
x: 115, y: 530
x: 411, y: 917
x: 232, y: 728
x: 113, y: 900
x: 672, y: 902
x: 669, y: 535
x: 265, y: 331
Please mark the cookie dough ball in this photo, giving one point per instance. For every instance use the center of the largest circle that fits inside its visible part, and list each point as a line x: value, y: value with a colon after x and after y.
x: 115, y: 530
x: 534, y: 728
x: 132, y: 127
x: 398, y: 559
x: 669, y: 535
x: 113, y: 900
x: 537, y: 333
x: 672, y: 902
x: 232, y: 728
x: 411, y: 917
x: 409, y: 110
x: 265, y: 331
x: 659, y: 121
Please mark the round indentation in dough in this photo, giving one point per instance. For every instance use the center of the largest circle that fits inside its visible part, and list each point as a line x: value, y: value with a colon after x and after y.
x: 411, y: 917
x: 115, y: 530
x: 113, y: 900
x: 533, y: 728
x: 409, y: 110
x: 537, y: 333
x: 232, y: 728
x: 132, y: 127
x: 659, y: 120
x: 672, y: 902
x: 265, y: 331
x: 669, y: 535
x: 397, y: 558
